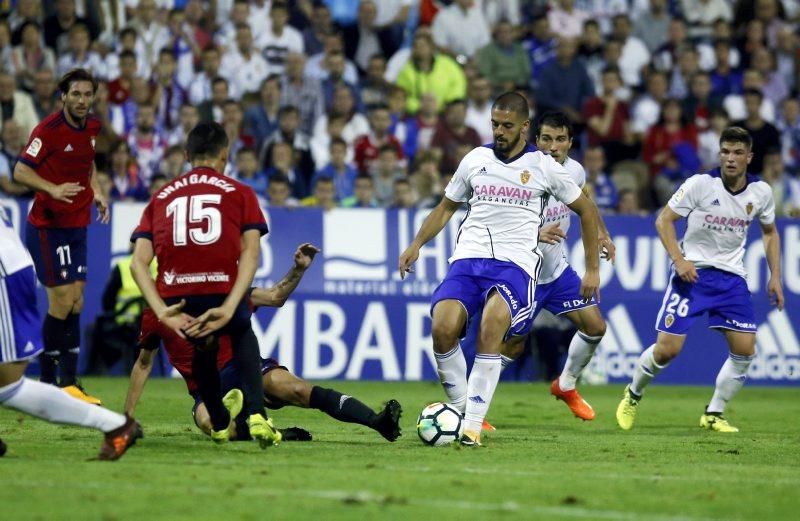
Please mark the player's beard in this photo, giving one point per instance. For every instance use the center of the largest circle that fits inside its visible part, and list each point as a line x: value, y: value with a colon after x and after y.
x: 75, y: 117
x: 505, y: 147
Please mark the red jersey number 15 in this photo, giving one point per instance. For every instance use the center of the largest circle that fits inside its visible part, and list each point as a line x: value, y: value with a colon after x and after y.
x: 186, y: 211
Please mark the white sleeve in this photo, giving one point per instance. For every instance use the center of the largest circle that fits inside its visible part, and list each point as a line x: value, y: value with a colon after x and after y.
x: 685, y: 199
x: 767, y: 214
x: 458, y: 189
x: 560, y: 183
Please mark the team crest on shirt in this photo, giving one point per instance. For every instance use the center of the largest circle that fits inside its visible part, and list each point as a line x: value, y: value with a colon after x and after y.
x: 749, y: 208
x: 169, y: 277
x: 669, y: 320
x: 34, y: 147
x: 64, y: 274
x: 524, y: 176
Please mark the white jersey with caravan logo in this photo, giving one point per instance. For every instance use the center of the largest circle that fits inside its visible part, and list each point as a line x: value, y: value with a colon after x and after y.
x: 718, y: 220
x: 506, y: 202
x: 13, y: 255
x: 556, y: 212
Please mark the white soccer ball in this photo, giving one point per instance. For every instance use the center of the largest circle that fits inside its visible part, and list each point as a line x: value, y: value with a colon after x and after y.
x: 439, y: 424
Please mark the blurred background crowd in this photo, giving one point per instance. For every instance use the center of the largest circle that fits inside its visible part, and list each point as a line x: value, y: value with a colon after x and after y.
x: 373, y: 103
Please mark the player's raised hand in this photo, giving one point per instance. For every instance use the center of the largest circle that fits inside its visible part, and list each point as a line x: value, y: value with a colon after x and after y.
x: 607, y: 249
x: 304, y: 255
x: 551, y: 234
x: 176, y: 319
x: 686, y: 271
x: 66, y: 191
x: 775, y: 292
x: 590, y: 285
x: 103, y: 212
x: 208, y: 322
x: 407, y: 258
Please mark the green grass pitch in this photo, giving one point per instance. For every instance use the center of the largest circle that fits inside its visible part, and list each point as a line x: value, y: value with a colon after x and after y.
x: 541, y: 463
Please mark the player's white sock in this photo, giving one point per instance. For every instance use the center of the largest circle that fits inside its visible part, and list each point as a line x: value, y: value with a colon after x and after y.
x: 729, y: 380
x: 480, y: 390
x: 581, y: 350
x: 505, y: 362
x: 452, y: 369
x: 54, y: 405
x: 646, y: 370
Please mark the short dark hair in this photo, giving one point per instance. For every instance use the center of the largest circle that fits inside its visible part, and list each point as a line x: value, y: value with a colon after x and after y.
x: 245, y: 150
x: 128, y: 31
x: 754, y: 92
x: 76, y: 75
x: 512, y: 102
x: 323, y: 179
x: 554, y: 119
x: 206, y: 140
x: 288, y: 109
x: 127, y: 54
x: 388, y: 147
x: 338, y: 141
x: 279, y: 178
x: 365, y: 176
x: 736, y: 135
x: 279, y: 5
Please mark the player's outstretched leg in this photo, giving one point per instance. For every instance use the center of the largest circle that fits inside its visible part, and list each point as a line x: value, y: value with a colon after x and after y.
x: 449, y: 319
x: 348, y: 409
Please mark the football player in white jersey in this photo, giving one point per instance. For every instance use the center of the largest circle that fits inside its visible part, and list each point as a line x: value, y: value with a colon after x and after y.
x: 558, y: 288
x: 496, y: 261
x: 708, y: 275
x: 21, y: 341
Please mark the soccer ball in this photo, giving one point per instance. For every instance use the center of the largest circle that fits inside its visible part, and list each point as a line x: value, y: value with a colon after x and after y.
x: 439, y: 424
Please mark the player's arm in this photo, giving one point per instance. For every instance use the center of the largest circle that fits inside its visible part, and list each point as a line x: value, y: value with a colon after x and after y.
x: 587, y: 211
x: 607, y: 248
x: 277, y: 295
x: 665, y: 225
x: 27, y: 176
x: 100, y: 201
x: 139, y: 375
x: 216, y: 318
x: 140, y: 269
x: 772, y: 247
x: 433, y: 224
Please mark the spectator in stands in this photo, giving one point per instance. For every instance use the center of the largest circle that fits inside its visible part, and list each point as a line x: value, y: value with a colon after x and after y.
x: 225, y: 37
x: 127, y: 184
x: 323, y: 196
x: 363, y: 193
x: 608, y: 120
x: 201, y: 88
x: 634, y: 52
x: 334, y: 65
x: 119, y: 90
x: 452, y: 132
x: 391, y: 18
x: 44, y: 93
x: 188, y: 118
x: 301, y: 92
x: 316, y: 68
x: 387, y: 169
x: 141, y: 93
x: 540, y: 46
x: 16, y: 105
x: 57, y: 25
x: 564, y: 84
x: 173, y: 165
x: 211, y: 109
x: 647, y: 108
x: 343, y: 105
x: 184, y: 46
x: 277, y: 39
x: 566, y: 20
x: 244, y: 67
x: 374, y: 87
x: 168, y: 96
x: 785, y: 187
x: 429, y: 72
x: 146, y: 143
x: 105, y: 184
x: 26, y: 11
x: 764, y: 134
x: 774, y: 85
x: 364, y: 38
x: 708, y: 140
x: 735, y: 105
x: 153, y: 34
x: 78, y: 55
x: 128, y: 40
x: 112, y: 120
x: 403, y: 195
x: 785, y: 56
x: 321, y: 25
x: 403, y: 127
x: 343, y: 174
x: 279, y: 193
x: 591, y: 50
x: 322, y: 138
x: 701, y: 14
x: 724, y: 78
x: 248, y: 172
x: 652, y: 27
x: 504, y: 61
x: 157, y: 182
x: 426, y: 180
x: 12, y: 143
x: 232, y: 122
x: 681, y: 75
x: 282, y: 163
x: 605, y: 192
x: 629, y: 203
x: 367, y: 146
x: 665, y: 57
x: 479, y: 108
x: 789, y: 127
x: 261, y: 119
x: 289, y: 132
x: 700, y: 103
x: 30, y: 55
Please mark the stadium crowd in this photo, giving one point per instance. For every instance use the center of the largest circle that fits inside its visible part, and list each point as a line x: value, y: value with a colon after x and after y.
x: 373, y: 103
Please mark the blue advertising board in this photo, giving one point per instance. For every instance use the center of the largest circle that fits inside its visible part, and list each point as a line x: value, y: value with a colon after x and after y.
x: 352, y: 317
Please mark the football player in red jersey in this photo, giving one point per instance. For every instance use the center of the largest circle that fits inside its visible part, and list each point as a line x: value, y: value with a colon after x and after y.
x: 280, y: 387
x: 58, y: 163
x: 205, y: 229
